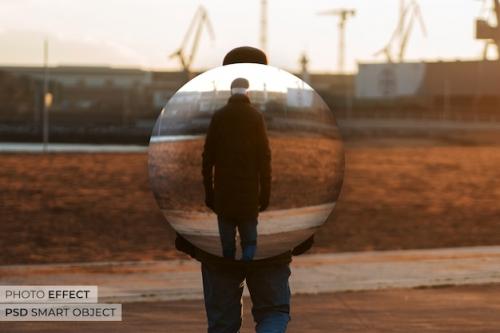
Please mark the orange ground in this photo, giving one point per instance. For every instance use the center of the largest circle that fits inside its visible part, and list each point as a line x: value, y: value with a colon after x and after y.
x: 86, y: 207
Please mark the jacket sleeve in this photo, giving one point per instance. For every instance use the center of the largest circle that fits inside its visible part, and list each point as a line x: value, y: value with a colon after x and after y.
x: 264, y: 161
x: 208, y: 158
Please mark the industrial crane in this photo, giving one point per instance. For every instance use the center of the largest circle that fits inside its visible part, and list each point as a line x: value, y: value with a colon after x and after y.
x: 344, y: 15
x: 304, y: 61
x: 263, y: 25
x: 408, y: 14
x: 488, y: 32
x: 200, y: 19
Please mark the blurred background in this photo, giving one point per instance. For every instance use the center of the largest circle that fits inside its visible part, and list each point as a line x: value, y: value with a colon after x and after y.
x: 414, y: 85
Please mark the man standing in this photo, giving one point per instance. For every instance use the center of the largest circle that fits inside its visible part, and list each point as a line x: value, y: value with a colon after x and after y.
x: 223, y: 278
x: 237, y: 170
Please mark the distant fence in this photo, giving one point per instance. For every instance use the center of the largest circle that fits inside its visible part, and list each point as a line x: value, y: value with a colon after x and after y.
x: 456, y: 114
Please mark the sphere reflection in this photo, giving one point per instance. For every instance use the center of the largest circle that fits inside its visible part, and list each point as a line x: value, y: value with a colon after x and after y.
x: 270, y: 136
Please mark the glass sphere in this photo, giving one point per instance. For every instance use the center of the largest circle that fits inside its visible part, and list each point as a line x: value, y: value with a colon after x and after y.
x: 267, y: 175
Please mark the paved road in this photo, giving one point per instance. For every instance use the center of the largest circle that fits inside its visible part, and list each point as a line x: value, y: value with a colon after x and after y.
x: 18, y: 147
x: 312, y: 274
x: 465, y: 309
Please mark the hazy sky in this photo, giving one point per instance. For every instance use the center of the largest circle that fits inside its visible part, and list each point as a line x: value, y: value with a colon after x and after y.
x: 143, y: 33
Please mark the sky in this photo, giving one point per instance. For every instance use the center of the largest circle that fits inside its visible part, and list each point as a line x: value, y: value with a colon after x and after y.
x: 143, y: 33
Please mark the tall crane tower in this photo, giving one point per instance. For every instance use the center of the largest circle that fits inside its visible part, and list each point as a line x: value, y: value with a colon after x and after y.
x: 344, y: 15
x: 263, y: 25
x: 200, y: 20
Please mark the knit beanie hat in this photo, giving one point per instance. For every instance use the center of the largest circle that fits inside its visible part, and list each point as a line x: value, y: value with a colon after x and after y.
x: 245, y: 54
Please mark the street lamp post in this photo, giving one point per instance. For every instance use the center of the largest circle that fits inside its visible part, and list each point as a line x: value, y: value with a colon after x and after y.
x: 47, y: 97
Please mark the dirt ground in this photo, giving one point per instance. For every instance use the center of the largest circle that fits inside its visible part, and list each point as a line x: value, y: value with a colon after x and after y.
x: 312, y: 163
x: 452, y: 309
x: 397, y: 194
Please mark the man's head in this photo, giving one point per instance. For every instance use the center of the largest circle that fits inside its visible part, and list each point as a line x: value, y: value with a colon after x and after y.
x: 245, y: 54
x: 239, y: 86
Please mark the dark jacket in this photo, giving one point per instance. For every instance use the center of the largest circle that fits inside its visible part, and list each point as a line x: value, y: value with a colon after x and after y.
x: 237, y: 160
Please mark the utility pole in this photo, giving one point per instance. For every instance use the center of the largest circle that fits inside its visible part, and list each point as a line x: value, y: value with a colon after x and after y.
x: 47, y: 98
x: 496, y: 8
x: 344, y: 15
x: 263, y: 25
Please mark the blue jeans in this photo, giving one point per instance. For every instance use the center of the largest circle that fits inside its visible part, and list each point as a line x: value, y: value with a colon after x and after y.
x: 269, y: 291
x: 247, y: 228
